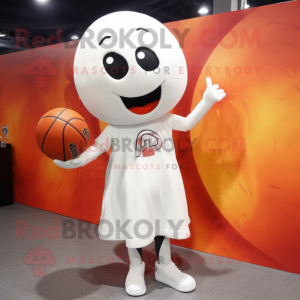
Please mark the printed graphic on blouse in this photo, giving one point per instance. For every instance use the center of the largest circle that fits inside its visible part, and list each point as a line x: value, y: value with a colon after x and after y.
x: 147, y: 143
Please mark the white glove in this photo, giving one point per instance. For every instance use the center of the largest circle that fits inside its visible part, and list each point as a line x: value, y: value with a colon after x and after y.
x: 212, y: 94
x: 83, y: 159
x: 210, y: 97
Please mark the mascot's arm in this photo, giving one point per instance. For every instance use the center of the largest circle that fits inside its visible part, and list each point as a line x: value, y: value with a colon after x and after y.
x: 212, y: 95
x: 102, y: 144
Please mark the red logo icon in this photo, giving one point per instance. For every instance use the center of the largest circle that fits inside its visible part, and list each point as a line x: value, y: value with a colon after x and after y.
x: 39, y: 258
x: 95, y: 167
x: 40, y: 68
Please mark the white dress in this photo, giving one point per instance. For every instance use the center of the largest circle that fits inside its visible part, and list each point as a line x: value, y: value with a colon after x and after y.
x: 144, y: 194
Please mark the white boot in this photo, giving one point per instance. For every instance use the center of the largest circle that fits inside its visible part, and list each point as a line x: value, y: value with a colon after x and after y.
x: 135, y: 283
x: 169, y: 274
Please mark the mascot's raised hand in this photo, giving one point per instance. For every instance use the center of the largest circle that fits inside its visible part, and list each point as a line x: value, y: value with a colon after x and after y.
x: 211, y: 95
x: 212, y: 92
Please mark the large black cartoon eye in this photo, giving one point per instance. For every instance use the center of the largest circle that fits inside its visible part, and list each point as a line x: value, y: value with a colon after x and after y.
x: 115, y: 65
x: 146, y: 58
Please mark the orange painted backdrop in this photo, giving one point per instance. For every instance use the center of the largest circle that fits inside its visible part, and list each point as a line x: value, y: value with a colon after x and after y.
x: 241, y: 176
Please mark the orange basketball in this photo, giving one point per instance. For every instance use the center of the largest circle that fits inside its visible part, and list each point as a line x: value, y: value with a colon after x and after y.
x: 62, y: 134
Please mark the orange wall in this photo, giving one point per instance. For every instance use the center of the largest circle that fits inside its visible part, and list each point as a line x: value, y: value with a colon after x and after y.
x: 241, y: 178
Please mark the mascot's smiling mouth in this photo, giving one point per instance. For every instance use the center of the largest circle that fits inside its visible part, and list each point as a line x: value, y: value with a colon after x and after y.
x: 143, y: 104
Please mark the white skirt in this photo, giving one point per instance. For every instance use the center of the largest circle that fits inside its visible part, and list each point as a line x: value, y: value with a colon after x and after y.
x: 143, y: 196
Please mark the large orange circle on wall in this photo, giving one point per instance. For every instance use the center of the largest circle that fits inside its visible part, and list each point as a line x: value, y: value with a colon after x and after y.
x: 248, y: 145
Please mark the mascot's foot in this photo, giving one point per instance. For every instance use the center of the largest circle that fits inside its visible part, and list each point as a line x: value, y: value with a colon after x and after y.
x: 135, y: 283
x: 173, y: 277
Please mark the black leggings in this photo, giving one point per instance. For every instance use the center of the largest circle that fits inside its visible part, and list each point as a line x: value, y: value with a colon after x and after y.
x: 158, y: 242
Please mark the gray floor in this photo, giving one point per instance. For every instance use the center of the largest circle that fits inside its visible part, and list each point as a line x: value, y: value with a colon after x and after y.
x: 99, y: 268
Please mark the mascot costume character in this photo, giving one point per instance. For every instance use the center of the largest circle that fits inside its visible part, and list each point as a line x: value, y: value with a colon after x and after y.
x: 142, y: 75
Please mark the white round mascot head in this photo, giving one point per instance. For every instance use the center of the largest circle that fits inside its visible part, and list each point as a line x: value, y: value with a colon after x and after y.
x: 129, y: 69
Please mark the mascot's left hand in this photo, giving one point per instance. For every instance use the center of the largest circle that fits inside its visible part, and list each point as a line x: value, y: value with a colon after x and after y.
x: 213, y: 94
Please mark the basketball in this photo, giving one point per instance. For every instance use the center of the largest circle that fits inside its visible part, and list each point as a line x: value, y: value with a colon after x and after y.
x: 62, y: 134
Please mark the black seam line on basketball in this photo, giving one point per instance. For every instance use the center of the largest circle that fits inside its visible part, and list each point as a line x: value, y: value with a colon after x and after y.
x: 63, y: 140
x: 67, y: 122
x: 63, y: 135
x: 51, y: 126
x: 64, y: 120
